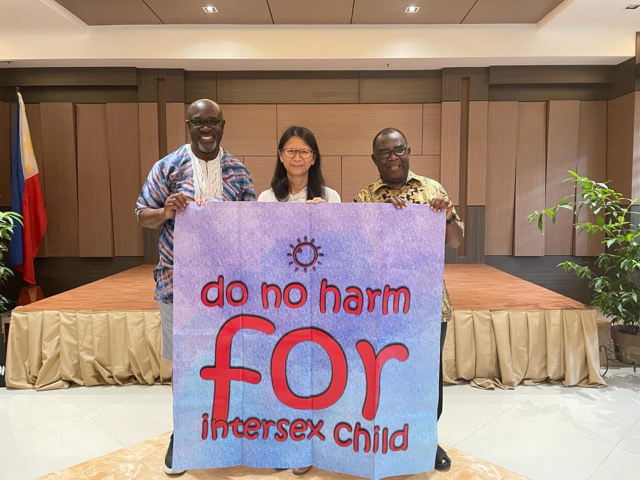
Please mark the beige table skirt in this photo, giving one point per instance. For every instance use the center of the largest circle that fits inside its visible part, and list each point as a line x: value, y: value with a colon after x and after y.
x: 52, y: 349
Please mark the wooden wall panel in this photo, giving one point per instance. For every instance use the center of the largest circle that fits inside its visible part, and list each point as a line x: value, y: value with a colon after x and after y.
x: 261, y: 170
x: 250, y: 130
x: 124, y: 164
x: 450, y: 157
x: 477, y: 156
x: 530, y: 177
x: 426, y: 165
x: 288, y: 87
x: 349, y: 129
x: 592, y: 163
x: 94, y: 186
x: 35, y: 128
x: 357, y: 173
x: 620, y: 143
x: 501, y: 177
x: 61, y: 193
x: 431, y: 129
x: 176, y: 125
x: 400, y: 87
x: 332, y: 173
x: 149, y: 147
x: 562, y: 155
x: 5, y: 154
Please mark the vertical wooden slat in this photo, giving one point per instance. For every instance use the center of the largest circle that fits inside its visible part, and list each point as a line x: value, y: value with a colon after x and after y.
x: 562, y: 155
x: 501, y: 177
x: 149, y: 154
x: 35, y: 127
x: 61, y: 193
x: 635, y: 184
x: 620, y: 121
x: 450, y: 144
x: 124, y: 165
x: 94, y: 189
x: 148, y: 125
x: 592, y: 163
x: 175, y: 126
x: 431, y: 127
x: 332, y: 173
x: 530, y: 177
x: 5, y: 154
x: 477, y: 179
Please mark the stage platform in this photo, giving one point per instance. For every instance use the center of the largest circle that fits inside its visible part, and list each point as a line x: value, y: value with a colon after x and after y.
x: 506, y: 331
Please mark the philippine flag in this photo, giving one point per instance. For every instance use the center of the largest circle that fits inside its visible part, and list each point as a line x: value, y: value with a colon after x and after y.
x: 26, y: 198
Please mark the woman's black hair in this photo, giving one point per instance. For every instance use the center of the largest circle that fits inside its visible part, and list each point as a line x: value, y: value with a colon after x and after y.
x: 280, y: 181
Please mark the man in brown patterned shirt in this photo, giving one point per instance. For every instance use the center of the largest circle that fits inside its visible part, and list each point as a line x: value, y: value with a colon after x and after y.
x: 400, y: 186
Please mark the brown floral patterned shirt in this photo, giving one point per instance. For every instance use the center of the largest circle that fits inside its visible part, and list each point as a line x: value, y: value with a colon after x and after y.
x: 417, y: 189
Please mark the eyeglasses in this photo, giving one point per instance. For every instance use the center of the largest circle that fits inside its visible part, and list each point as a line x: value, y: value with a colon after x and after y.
x: 291, y: 152
x: 398, y: 151
x: 211, y: 122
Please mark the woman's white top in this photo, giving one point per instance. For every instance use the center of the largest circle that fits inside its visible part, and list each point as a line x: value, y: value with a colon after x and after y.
x: 207, y: 176
x: 330, y: 195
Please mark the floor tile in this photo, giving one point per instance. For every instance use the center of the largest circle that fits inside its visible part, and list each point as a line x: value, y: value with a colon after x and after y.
x: 595, y: 419
x: 43, y: 449
x: 535, y: 450
x: 620, y: 465
x: 459, y: 420
x: 136, y: 419
x: 631, y: 440
x: 23, y: 411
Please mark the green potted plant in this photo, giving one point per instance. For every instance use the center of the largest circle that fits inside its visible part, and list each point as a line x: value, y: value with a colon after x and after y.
x: 614, y: 276
x: 7, y: 222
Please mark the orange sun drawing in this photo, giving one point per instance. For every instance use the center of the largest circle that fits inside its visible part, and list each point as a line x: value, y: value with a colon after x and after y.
x: 305, y: 255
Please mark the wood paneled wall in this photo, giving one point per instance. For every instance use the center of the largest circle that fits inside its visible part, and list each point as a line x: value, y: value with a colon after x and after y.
x: 623, y: 144
x: 94, y: 155
x: 531, y: 147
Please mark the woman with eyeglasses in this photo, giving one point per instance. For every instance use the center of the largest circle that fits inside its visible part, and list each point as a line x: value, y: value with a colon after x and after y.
x: 298, y: 174
x: 298, y: 178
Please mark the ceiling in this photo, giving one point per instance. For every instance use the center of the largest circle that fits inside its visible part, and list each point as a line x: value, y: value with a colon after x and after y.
x: 300, y: 12
x: 309, y: 35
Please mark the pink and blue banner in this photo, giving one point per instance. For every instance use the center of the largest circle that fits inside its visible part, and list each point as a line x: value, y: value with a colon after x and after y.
x: 307, y: 335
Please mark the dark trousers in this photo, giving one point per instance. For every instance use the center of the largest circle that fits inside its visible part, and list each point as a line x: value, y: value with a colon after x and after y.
x: 443, y: 335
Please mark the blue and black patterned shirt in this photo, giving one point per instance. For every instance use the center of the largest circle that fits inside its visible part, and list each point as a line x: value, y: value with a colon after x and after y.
x: 174, y: 173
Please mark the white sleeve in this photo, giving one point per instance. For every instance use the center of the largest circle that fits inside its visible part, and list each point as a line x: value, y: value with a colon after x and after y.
x: 267, y: 196
x: 332, y: 195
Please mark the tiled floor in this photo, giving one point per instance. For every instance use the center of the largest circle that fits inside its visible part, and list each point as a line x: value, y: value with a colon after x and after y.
x: 544, y: 432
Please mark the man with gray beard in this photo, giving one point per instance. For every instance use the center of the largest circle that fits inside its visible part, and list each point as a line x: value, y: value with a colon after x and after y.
x: 199, y: 171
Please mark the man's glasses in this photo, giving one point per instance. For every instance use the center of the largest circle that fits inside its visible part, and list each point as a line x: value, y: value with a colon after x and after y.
x: 291, y: 152
x: 398, y: 151
x: 211, y: 122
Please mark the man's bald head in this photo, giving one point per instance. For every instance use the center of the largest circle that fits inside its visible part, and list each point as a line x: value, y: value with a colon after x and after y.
x: 204, y: 105
x: 385, y: 132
